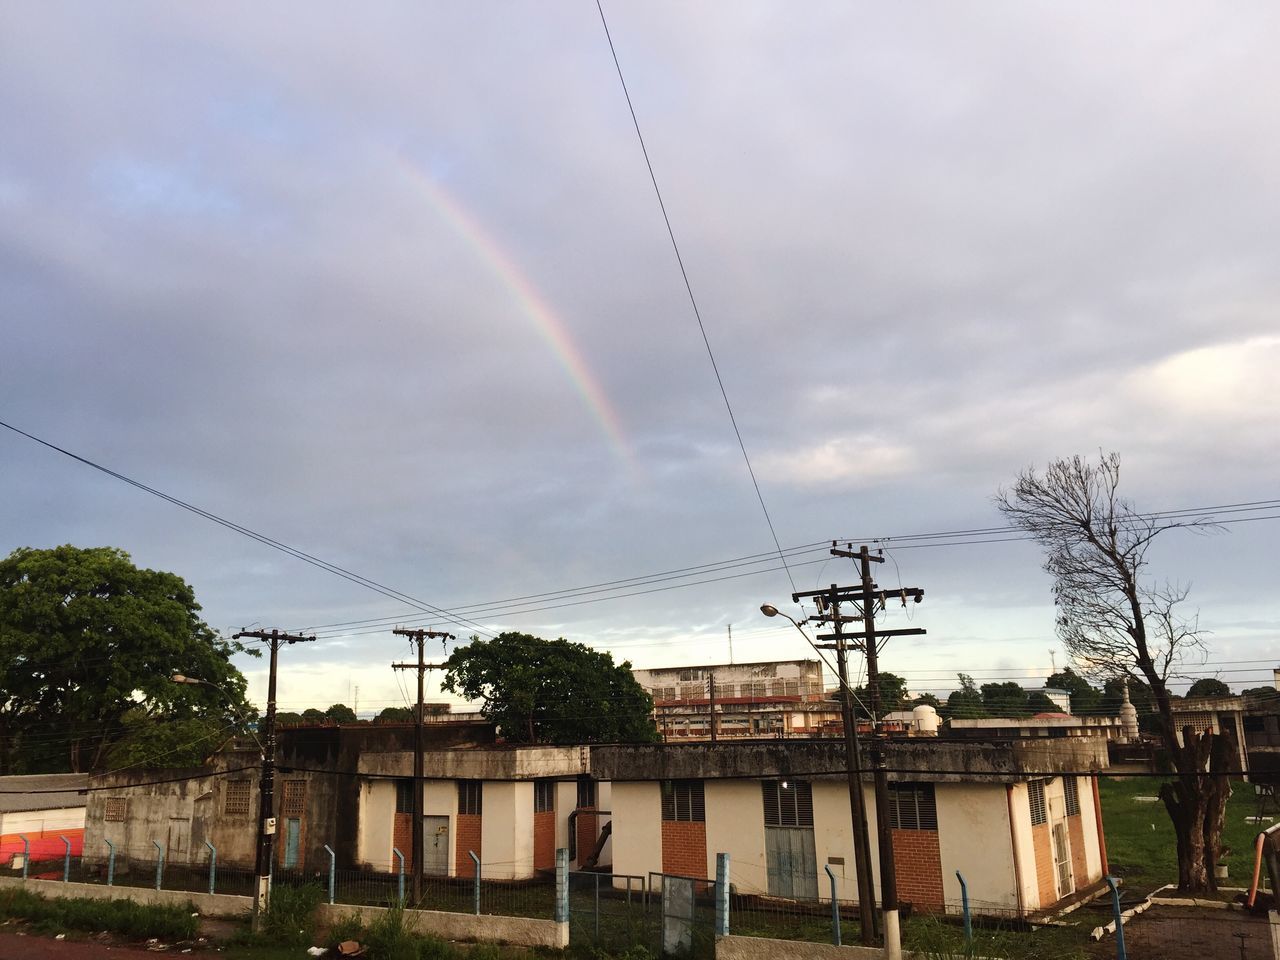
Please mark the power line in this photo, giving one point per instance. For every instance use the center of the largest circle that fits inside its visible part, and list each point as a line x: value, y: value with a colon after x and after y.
x: 693, y: 301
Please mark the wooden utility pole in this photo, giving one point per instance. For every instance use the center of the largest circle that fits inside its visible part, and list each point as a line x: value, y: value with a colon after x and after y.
x: 853, y: 766
x: 267, y: 781
x: 418, y: 637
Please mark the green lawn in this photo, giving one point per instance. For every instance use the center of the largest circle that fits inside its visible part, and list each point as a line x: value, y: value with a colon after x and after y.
x: 1140, y: 843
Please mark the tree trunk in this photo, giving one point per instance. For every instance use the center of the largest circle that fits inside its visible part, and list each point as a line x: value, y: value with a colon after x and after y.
x: 1197, y: 805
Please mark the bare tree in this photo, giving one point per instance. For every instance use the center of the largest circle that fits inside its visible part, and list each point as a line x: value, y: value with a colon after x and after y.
x: 1115, y: 620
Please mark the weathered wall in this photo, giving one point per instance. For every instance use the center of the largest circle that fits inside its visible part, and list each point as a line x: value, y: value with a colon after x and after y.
x: 1029, y: 889
x: 833, y: 835
x: 507, y: 830
x: 735, y: 825
x: 440, y: 799
x: 973, y: 834
x: 504, y: 763
x: 377, y: 819
x: 637, y: 828
x: 216, y: 905
x: 486, y: 928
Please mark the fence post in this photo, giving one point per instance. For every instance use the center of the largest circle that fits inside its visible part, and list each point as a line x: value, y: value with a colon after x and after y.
x: 400, y: 857
x: 964, y: 905
x: 159, y: 862
x: 835, y: 907
x: 213, y: 865
x: 722, y: 894
x: 111, y: 862
x: 476, y: 861
x: 1115, y: 908
x: 26, y: 854
x: 562, y: 885
x: 66, y: 860
x: 333, y: 863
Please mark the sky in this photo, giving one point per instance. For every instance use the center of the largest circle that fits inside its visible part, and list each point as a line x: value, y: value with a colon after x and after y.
x: 390, y: 284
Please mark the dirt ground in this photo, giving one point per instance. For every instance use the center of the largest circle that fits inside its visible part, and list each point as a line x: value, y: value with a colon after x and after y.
x: 1190, y: 933
x: 16, y: 946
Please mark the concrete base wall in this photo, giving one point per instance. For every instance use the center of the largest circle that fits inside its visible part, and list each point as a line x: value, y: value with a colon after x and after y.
x: 762, y: 948
x: 217, y: 905
x: 517, y: 931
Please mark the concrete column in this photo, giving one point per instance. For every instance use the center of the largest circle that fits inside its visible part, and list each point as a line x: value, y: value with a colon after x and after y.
x: 722, y: 894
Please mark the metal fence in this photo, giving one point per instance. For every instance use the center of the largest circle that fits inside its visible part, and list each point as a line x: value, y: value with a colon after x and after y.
x: 199, y: 871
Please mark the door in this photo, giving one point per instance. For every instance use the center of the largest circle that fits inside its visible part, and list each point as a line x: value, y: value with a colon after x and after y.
x: 178, y: 843
x: 435, y: 846
x: 292, y: 841
x: 1062, y: 859
x: 792, y: 862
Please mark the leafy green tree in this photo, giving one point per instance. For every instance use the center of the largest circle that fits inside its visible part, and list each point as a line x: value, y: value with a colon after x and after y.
x: 1209, y: 687
x: 965, y: 703
x: 1038, y: 702
x: 1261, y: 696
x: 395, y: 714
x: 312, y: 715
x: 88, y: 646
x: 551, y: 691
x: 893, y: 695
x: 287, y: 718
x: 1085, y: 698
x: 340, y: 713
x: 928, y: 700
x: 1007, y: 699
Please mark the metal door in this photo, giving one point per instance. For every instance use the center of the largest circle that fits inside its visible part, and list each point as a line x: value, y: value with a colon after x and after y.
x: 435, y: 846
x: 1062, y: 859
x: 292, y: 836
x: 792, y: 862
x: 178, y: 843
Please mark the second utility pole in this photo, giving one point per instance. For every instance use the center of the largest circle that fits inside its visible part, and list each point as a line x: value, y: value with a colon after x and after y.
x: 419, y: 846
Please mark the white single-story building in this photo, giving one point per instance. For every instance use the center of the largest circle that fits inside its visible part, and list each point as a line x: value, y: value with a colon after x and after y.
x: 510, y: 806
x: 44, y: 808
x: 1020, y: 819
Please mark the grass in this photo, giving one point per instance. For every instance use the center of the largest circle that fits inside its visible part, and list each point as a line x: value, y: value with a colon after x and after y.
x: 125, y: 918
x: 1140, y: 844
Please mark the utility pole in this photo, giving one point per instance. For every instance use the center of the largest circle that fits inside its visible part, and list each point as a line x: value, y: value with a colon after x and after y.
x: 731, y: 644
x: 853, y: 765
x: 418, y: 637
x: 868, y: 597
x: 267, y: 782
x: 711, y: 701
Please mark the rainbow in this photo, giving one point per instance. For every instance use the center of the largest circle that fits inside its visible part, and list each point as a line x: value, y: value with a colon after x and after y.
x: 527, y: 297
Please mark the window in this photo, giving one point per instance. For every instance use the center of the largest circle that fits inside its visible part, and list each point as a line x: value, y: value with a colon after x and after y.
x: 544, y: 796
x: 294, y: 801
x: 1039, y: 814
x: 469, y: 797
x: 116, y: 811
x: 586, y: 794
x: 788, y: 803
x: 1072, y: 791
x: 682, y: 800
x: 237, y: 797
x: 404, y: 796
x: 913, y: 806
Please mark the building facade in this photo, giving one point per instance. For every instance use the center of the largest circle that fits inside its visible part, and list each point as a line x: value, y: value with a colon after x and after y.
x: 43, y: 808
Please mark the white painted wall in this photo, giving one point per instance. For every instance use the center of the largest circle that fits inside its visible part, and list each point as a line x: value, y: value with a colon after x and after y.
x: 566, y: 802
x: 440, y: 799
x: 1089, y: 820
x: 833, y: 835
x: 735, y: 825
x: 637, y: 828
x: 36, y: 821
x: 1021, y: 805
x: 506, y: 830
x: 376, y: 821
x: 973, y: 837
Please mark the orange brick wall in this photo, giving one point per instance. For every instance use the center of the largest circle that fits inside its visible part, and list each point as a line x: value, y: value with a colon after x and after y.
x: 468, y: 828
x: 588, y: 833
x: 1079, y: 866
x: 402, y: 840
x: 684, y: 848
x: 1042, y: 844
x: 918, y: 863
x: 544, y: 840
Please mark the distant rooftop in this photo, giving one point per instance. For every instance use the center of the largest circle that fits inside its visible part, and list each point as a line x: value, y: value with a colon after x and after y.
x: 42, y: 791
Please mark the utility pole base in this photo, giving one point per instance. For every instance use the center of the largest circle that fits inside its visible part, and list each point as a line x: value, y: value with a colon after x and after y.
x: 892, y: 936
x: 261, y: 900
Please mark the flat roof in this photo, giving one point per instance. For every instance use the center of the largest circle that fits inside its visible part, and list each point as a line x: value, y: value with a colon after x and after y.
x: 43, y: 791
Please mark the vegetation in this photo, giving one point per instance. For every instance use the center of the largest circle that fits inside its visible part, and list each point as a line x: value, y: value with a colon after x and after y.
x: 88, y: 645
x: 134, y: 921
x: 551, y: 691
x: 1116, y: 620
x: 1209, y: 687
x: 893, y: 695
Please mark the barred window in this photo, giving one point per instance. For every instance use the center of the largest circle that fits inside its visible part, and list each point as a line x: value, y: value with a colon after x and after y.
x: 237, y: 801
x: 294, y: 801
x: 117, y: 810
x: 788, y: 803
x: 1072, y: 790
x: 586, y: 794
x: 1039, y: 813
x: 683, y: 800
x: 470, y: 796
x: 913, y: 806
x: 404, y: 796
x: 544, y: 796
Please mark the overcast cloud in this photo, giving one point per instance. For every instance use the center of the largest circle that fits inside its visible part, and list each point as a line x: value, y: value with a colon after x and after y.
x: 284, y: 262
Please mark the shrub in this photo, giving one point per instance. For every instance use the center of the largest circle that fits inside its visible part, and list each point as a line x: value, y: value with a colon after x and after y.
x: 137, y: 921
x: 291, y: 915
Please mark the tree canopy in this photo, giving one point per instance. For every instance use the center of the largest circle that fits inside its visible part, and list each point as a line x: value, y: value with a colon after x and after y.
x: 965, y: 703
x: 1209, y: 687
x: 893, y: 695
x: 1086, y: 699
x: 551, y: 691
x: 88, y: 647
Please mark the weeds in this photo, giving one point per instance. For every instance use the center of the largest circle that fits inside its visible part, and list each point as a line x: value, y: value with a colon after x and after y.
x: 136, y: 921
x: 291, y: 915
